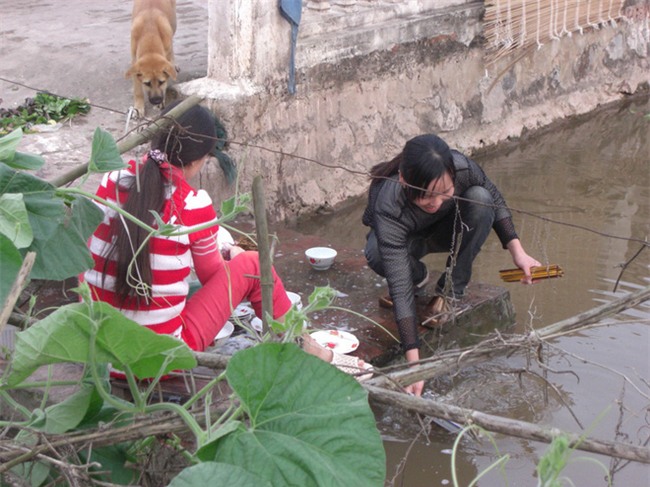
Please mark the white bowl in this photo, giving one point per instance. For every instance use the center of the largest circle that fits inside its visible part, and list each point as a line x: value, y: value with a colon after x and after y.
x: 321, y: 258
x: 295, y: 299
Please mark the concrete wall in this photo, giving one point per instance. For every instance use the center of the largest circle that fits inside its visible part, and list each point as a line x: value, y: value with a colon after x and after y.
x: 374, y: 75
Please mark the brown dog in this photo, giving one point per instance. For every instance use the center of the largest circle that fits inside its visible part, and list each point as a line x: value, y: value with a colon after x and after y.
x: 152, y: 54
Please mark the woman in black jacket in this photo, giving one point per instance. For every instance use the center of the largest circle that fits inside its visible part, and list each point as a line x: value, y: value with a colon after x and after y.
x: 432, y: 199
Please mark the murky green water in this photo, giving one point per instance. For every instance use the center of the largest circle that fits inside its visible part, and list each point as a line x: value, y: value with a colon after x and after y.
x: 582, y: 191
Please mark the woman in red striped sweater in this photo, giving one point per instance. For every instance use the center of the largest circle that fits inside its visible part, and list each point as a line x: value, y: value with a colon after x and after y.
x: 150, y: 286
x: 146, y: 277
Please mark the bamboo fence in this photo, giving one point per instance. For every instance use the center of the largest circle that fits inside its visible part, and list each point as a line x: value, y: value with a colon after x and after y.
x: 520, y: 24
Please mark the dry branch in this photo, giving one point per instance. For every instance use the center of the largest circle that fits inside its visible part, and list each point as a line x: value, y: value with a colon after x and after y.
x: 134, y: 140
x: 511, y: 427
x: 151, y: 425
x: 428, y: 368
x: 16, y: 288
x: 454, y: 360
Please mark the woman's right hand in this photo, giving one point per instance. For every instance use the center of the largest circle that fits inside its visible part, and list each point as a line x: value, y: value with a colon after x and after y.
x: 413, y: 355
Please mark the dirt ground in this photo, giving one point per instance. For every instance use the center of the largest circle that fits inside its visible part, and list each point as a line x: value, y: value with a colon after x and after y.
x: 81, y: 49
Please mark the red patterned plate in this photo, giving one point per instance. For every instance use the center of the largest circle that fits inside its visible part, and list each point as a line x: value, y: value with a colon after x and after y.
x: 337, y: 340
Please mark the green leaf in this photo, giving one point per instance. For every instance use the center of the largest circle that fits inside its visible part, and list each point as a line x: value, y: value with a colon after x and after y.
x: 231, y: 207
x: 64, y: 252
x: 10, y: 262
x: 44, y: 210
x: 321, y: 298
x: 9, y: 144
x: 115, y: 460
x: 12, y: 181
x: 64, y: 336
x: 213, y: 473
x: 59, y: 235
x: 314, y: 427
x: 228, y: 206
x: 105, y: 155
x: 26, y: 161
x: 35, y: 472
x: 14, y: 221
x: 64, y: 416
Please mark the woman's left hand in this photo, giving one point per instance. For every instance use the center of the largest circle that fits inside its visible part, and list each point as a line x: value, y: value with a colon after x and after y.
x: 522, y: 260
x: 525, y: 262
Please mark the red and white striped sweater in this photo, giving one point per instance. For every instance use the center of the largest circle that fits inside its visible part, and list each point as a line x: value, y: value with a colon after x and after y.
x: 171, y: 257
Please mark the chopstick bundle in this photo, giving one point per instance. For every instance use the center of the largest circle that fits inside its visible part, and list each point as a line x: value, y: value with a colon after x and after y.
x: 540, y: 272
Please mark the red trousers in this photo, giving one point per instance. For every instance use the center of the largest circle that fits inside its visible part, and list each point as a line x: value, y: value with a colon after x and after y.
x: 237, y: 280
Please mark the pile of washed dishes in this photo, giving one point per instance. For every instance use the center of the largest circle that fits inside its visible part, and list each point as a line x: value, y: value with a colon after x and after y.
x: 244, y: 314
x: 243, y: 319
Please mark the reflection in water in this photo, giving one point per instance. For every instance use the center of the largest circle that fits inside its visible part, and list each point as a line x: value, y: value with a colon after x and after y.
x: 581, y: 196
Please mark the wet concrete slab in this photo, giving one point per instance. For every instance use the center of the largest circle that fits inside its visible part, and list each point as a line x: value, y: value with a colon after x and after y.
x: 484, y: 308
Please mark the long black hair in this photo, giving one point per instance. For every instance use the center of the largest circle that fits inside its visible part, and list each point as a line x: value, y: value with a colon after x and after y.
x: 423, y: 159
x: 191, y: 137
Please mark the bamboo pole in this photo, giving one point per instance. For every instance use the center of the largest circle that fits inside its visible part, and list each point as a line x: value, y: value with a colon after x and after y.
x: 134, y: 139
x: 510, y: 427
x: 262, y: 229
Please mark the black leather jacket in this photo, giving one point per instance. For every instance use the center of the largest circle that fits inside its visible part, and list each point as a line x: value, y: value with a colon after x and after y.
x: 394, y: 219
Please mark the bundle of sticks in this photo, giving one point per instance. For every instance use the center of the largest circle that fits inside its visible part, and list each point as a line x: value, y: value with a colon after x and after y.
x: 540, y: 272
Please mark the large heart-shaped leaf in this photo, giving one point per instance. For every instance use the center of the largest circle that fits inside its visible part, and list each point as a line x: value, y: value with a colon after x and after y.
x: 12, y: 181
x: 26, y: 161
x: 310, y: 424
x: 105, y: 155
x: 9, y: 143
x: 64, y: 336
x: 45, y: 211
x: 60, y: 230
x: 65, y: 252
x: 14, y: 221
x: 213, y: 473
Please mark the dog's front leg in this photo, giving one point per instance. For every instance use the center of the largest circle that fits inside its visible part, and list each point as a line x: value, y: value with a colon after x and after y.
x: 138, y: 97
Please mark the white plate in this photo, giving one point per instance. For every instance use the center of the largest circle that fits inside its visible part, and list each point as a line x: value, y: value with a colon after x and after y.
x: 226, y: 331
x: 243, y: 311
x: 336, y: 340
x: 295, y: 299
x: 257, y: 324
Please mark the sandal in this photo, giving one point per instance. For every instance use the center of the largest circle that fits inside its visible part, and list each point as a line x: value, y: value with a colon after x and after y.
x: 438, y: 311
x: 350, y: 365
x: 386, y: 302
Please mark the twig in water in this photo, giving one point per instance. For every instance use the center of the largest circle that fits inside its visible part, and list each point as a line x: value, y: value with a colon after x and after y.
x: 624, y: 266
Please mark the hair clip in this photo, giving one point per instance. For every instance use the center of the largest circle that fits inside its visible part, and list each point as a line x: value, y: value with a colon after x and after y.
x: 158, y: 156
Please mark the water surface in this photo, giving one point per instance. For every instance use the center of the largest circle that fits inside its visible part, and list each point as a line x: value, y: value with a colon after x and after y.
x: 580, y: 193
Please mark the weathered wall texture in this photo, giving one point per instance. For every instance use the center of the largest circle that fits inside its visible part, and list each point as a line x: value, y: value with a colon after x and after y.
x: 353, y: 110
